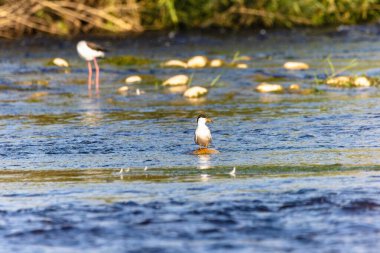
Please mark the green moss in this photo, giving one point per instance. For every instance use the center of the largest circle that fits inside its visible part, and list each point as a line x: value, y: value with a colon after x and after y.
x: 126, y: 60
x: 150, y: 80
x: 375, y: 81
x: 79, y: 81
x: 40, y: 82
x: 51, y: 119
x: 37, y: 97
x: 311, y: 91
x: 267, y: 78
x: 50, y: 63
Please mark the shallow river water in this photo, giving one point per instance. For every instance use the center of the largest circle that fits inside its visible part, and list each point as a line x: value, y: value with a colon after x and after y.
x: 308, y: 165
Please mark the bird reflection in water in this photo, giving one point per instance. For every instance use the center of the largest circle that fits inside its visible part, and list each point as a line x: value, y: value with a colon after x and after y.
x: 204, y: 162
x: 92, y: 113
x: 205, y: 177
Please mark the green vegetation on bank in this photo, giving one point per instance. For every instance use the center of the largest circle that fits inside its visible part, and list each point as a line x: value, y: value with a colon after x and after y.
x: 264, y: 13
x: 67, y: 17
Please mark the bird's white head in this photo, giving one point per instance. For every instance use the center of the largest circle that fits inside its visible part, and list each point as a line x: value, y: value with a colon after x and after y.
x: 81, y: 45
x: 202, y: 120
x: 88, y: 52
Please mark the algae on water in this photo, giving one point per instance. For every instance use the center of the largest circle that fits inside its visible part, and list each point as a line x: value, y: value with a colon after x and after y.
x: 126, y: 60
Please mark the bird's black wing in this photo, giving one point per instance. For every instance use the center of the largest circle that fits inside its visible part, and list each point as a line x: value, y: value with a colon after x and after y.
x: 96, y: 47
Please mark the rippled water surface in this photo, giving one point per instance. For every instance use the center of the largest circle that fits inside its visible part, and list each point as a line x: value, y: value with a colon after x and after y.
x: 307, y: 164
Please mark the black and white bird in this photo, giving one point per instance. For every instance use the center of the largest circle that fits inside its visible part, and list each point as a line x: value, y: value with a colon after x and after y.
x: 202, y: 133
x: 89, y: 52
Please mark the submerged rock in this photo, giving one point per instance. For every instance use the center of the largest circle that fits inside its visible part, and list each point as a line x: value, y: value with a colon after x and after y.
x: 264, y: 77
x: 198, y: 61
x: 40, y: 82
x: 38, y: 95
x: 205, y: 151
x: 309, y: 91
x: 175, y: 63
x: 133, y: 79
x: 123, y: 89
x: 176, y: 80
x: 216, y: 63
x: 297, y: 89
x: 294, y: 87
x: 362, y: 81
x: 176, y: 89
x: 195, y: 92
x: 60, y: 62
x: 242, y: 66
x: 245, y: 58
x: 147, y: 79
x: 296, y: 65
x: 267, y: 87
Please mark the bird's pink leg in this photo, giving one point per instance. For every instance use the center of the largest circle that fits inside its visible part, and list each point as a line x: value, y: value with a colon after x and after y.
x: 89, y: 75
x: 96, y: 76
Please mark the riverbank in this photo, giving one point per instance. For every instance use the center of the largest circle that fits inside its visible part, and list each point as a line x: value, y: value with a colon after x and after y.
x: 67, y: 18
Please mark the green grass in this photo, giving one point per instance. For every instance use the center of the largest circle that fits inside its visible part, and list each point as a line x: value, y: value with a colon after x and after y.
x: 237, y: 14
x: 333, y: 72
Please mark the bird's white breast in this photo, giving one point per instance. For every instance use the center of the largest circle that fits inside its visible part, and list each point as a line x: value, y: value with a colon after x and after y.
x: 203, y: 131
x: 88, y: 53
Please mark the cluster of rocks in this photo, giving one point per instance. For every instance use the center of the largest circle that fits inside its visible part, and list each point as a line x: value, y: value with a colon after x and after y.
x: 179, y: 83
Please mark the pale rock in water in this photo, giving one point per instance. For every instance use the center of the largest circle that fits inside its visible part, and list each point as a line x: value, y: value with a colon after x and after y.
x: 296, y: 65
x: 198, y: 61
x: 216, y: 63
x: 176, y: 80
x: 195, y: 92
x: 242, y: 66
x: 60, y: 62
x: 177, y: 89
x: 133, y: 79
x: 38, y: 95
x: 175, y: 63
x: 123, y: 89
x: 244, y: 58
x: 267, y: 87
x: 294, y: 87
x: 362, y: 81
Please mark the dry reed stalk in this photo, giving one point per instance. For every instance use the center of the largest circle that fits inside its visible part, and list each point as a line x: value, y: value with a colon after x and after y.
x: 67, y: 17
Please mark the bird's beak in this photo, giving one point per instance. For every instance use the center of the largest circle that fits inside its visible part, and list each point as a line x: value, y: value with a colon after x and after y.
x: 208, y: 120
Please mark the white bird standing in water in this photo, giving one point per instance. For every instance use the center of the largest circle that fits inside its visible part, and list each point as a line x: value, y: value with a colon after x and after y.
x: 202, y: 133
x: 90, y: 51
x: 122, y: 171
x: 233, y: 172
